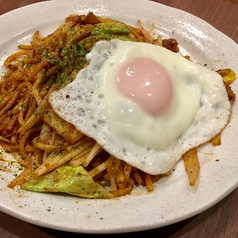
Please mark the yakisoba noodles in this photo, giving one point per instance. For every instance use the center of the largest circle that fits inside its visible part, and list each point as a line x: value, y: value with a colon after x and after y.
x: 38, y: 138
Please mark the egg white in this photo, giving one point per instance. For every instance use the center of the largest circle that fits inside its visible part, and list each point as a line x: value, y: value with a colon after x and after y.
x: 200, y: 108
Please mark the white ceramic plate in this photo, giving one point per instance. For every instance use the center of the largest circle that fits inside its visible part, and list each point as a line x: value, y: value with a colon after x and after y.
x: 173, y: 200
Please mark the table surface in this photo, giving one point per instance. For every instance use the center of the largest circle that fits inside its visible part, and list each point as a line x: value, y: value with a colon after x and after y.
x: 220, y: 220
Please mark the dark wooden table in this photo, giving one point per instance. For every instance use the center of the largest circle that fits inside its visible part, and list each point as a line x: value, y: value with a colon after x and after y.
x: 220, y: 221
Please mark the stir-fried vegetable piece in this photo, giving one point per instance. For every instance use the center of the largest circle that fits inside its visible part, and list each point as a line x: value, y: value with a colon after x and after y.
x: 66, y: 179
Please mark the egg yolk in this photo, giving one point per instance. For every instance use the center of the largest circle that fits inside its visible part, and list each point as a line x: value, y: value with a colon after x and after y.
x: 147, y: 83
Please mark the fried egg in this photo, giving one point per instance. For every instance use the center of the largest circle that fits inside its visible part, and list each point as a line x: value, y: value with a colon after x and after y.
x: 143, y: 103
